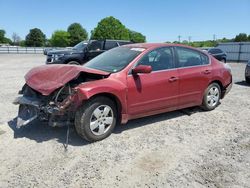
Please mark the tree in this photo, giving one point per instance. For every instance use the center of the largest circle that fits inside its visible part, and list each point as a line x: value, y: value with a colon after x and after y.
x: 77, y: 33
x: 136, y: 36
x: 3, y: 39
x: 110, y: 28
x: 248, y: 37
x: 2, y: 33
x: 16, y: 39
x: 60, y: 38
x: 35, y: 38
x: 242, y: 37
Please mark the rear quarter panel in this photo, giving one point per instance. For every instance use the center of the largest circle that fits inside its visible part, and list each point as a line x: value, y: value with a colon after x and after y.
x: 220, y: 73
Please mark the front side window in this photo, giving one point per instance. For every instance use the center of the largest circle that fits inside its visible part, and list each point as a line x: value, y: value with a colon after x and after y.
x: 80, y: 46
x: 159, y: 59
x: 95, y: 46
x: 188, y: 57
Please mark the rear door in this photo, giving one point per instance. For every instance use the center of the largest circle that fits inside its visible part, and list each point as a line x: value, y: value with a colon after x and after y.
x: 194, y: 70
x: 156, y: 90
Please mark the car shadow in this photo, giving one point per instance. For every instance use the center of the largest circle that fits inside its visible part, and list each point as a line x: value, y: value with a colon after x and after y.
x: 242, y: 83
x: 41, y: 132
x: 156, y: 119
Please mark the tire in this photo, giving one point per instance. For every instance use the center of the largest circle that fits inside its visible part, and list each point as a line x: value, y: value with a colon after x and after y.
x: 247, y: 80
x: 211, y: 97
x: 223, y: 60
x: 93, y: 112
x: 73, y: 63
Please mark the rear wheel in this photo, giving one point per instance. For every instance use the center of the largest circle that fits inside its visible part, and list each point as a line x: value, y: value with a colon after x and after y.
x: 211, y: 97
x: 96, y: 119
x: 223, y: 60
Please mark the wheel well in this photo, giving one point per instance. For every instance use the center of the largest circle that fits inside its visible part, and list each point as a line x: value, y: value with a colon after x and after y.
x: 113, y: 98
x: 77, y: 60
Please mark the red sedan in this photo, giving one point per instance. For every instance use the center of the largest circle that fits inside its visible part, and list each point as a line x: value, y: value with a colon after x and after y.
x: 121, y: 84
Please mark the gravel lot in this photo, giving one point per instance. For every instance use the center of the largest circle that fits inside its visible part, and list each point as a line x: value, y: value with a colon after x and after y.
x: 205, y: 149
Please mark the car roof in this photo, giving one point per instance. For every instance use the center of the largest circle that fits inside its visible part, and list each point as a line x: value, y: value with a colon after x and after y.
x: 157, y: 45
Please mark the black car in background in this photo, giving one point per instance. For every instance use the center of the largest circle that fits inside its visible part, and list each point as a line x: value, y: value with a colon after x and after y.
x: 247, y: 72
x: 82, y: 52
x: 218, y: 54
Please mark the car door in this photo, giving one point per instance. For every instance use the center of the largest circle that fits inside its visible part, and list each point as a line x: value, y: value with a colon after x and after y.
x: 156, y: 90
x: 195, y: 74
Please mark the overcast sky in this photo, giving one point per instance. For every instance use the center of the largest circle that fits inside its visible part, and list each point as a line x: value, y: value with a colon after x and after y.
x: 159, y: 20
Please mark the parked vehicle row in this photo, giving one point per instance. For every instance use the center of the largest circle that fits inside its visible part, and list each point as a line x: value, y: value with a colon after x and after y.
x: 124, y: 83
x: 217, y: 53
x: 82, y: 52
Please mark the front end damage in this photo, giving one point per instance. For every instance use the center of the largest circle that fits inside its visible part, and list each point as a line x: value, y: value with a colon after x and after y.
x: 57, y: 108
x: 50, y: 93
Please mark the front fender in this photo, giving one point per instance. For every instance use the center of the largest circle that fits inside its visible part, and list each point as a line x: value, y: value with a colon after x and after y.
x: 112, y: 87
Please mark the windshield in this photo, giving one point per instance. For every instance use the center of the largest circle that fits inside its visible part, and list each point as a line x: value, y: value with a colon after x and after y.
x: 80, y: 46
x: 115, y: 59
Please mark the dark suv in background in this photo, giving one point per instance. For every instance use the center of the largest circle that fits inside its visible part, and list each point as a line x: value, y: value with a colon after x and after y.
x: 218, y: 54
x: 82, y: 52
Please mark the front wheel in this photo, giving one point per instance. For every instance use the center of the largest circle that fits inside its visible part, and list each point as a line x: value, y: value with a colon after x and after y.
x: 211, y: 97
x: 96, y: 119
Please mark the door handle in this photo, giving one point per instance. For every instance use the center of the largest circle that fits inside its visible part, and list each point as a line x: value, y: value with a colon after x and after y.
x: 173, y: 79
x: 206, y: 72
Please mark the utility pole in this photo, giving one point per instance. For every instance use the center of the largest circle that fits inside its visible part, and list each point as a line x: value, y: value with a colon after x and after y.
x: 189, y: 39
x: 179, y: 38
x: 214, y: 37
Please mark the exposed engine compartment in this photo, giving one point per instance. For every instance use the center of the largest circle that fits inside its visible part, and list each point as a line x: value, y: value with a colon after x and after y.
x: 57, y: 108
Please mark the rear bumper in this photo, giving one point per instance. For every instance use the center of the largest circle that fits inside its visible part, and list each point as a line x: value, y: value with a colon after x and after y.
x: 228, y: 88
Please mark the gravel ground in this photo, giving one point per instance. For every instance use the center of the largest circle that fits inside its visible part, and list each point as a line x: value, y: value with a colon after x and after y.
x: 205, y: 149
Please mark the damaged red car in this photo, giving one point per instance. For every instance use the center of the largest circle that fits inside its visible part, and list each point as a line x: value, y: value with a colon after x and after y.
x: 121, y: 84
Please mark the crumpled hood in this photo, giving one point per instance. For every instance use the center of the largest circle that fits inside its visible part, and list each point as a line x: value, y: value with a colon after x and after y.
x: 47, y: 78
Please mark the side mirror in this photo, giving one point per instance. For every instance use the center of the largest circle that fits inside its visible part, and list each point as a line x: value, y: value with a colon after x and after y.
x: 142, y: 69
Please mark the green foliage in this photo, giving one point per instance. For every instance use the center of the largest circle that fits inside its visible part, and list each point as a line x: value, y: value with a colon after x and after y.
x: 7, y: 41
x: 110, y: 28
x: 60, y: 38
x: 35, y: 38
x: 242, y: 37
x: 2, y: 33
x: 22, y: 43
x: 136, y: 37
x: 77, y: 33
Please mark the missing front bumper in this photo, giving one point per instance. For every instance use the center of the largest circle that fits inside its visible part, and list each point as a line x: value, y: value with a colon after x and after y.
x: 28, y: 110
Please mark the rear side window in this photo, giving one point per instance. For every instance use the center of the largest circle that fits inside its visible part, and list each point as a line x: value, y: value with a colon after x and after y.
x: 188, y: 57
x: 95, y: 46
x: 110, y: 44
